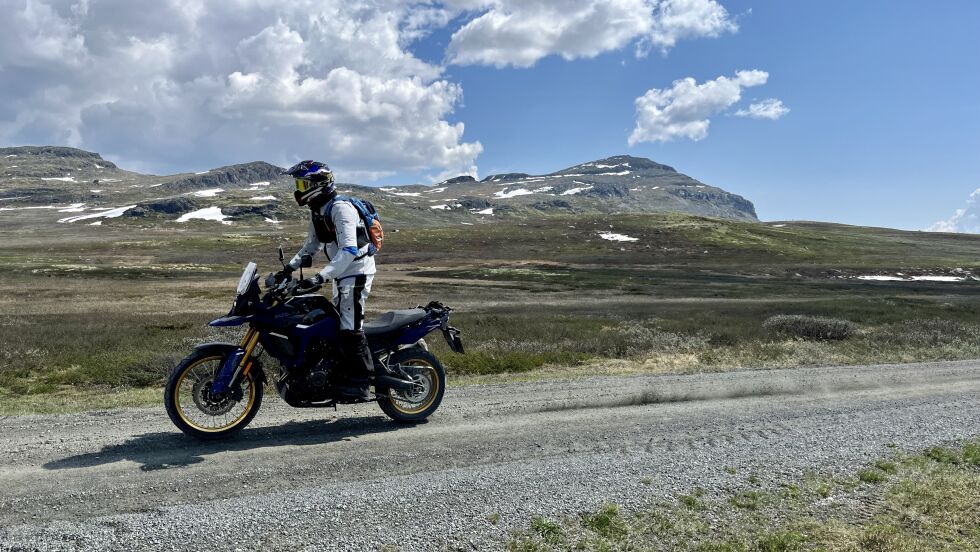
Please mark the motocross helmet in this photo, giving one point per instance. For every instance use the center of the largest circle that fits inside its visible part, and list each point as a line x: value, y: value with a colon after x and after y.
x: 314, y: 181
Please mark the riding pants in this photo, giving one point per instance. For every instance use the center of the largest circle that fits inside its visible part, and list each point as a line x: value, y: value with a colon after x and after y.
x: 350, y: 296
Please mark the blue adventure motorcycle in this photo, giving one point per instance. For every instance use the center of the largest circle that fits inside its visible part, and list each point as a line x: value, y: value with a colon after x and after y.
x: 217, y: 390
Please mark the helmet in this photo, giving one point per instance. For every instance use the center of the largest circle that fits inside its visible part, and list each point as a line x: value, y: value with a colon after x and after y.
x: 314, y: 181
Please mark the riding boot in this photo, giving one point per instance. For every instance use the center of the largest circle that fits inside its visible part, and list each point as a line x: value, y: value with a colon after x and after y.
x: 357, y: 356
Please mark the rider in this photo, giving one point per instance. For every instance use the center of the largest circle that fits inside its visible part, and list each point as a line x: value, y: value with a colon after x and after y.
x: 337, y: 227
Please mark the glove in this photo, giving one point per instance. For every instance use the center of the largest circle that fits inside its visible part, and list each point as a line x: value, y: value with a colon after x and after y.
x: 308, y: 285
x: 284, y: 274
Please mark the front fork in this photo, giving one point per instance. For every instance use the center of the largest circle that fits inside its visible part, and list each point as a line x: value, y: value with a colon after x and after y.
x: 237, y: 364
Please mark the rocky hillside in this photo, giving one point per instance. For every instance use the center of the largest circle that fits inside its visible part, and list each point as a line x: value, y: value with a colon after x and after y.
x: 69, y: 186
x: 620, y: 184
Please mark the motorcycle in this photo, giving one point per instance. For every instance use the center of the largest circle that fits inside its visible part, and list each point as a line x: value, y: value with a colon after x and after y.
x: 217, y: 390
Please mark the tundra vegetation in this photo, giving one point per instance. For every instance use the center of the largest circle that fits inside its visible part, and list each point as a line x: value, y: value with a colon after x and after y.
x: 925, y: 501
x: 95, y: 316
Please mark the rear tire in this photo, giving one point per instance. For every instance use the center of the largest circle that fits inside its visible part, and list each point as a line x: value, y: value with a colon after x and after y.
x: 187, y: 405
x: 405, y: 408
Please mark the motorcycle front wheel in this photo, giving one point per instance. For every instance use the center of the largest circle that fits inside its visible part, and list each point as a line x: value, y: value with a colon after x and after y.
x: 415, y: 406
x: 195, y: 412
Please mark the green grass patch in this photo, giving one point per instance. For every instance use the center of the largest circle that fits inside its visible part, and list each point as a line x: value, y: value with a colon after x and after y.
x: 931, y: 502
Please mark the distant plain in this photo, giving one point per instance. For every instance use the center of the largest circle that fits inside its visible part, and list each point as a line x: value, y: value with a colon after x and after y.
x: 95, y: 316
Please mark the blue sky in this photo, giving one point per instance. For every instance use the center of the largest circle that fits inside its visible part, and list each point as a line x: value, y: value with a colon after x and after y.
x: 882, y: 96
x: 884, y: 127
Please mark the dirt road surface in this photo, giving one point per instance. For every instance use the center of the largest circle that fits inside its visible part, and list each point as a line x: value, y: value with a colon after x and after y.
x: 353, y: 480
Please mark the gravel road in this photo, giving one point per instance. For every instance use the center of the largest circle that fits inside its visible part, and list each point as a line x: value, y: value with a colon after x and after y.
x: 352, y: 480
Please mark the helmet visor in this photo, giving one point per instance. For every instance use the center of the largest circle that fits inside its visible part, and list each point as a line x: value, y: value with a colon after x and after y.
x: 303, y: 186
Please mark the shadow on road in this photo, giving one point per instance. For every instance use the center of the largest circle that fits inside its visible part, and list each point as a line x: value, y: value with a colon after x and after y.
x: 161, y: 451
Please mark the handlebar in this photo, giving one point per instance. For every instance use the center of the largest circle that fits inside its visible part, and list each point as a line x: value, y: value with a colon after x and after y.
x: 282, y: 289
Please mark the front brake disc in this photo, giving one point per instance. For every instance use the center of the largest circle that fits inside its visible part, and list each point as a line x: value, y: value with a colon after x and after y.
x: 203, y: 401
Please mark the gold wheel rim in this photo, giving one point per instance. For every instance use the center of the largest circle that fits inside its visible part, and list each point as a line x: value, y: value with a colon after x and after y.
x: 427, y: 371
x: 185, y: 414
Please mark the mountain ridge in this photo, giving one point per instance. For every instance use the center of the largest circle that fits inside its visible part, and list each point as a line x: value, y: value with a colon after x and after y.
x: 43, y: 177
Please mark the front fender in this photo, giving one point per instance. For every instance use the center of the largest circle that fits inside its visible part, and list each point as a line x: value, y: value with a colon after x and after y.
x: 224, y: 349
x: 228, y: 321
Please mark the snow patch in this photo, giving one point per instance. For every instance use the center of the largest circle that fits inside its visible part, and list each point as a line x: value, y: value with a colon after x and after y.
x: 263, y: 183
x: 407, y: 194
x: 903, y: 278
x: 526, y: 180
x: 611, y: 236
x: 440, y: 207
x: 779, y: 226
x: 435, y: 190
x: 271, y: 221
x: 95, y: 191
x: 208, y: 213
x: 573, y: 191
x: 109, y: 213
x: 543, y: 189
x: 488, y: 211
x: 73, y: 208
x: 96, y: 223
x: 264, y: 198
x: 206, y: 193
x: 504, y: 194
x: 31, y: 207
x: 61, y: 178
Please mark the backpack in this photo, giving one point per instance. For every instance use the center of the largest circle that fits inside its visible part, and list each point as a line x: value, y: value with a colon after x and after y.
x: 374, y: 233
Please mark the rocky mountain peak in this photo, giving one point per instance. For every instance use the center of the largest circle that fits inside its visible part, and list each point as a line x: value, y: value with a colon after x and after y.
x: 503, y: 177
x: 241, y: 174
x: 620, y: 165
x: 54, y: 152
x: 464, y: 179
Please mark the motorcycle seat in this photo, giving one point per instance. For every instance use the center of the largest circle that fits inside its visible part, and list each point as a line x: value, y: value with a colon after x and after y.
x: 392, y: 320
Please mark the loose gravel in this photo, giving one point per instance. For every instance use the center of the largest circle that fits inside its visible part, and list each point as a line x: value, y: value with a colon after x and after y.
x: 352, y: 480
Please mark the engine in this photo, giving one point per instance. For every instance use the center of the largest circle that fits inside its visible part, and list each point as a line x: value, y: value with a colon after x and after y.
x: 312, y: 381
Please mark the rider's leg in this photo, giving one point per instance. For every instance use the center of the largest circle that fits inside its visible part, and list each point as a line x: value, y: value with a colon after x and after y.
x: 350, y: 296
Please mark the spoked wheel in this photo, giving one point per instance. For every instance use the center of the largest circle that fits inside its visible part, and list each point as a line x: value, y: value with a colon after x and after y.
x: 196, y: 411
x: 430, y: 385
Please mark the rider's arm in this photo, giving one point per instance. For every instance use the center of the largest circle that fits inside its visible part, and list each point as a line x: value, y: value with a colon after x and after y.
x: 310, y: 247
x: 345, y: 218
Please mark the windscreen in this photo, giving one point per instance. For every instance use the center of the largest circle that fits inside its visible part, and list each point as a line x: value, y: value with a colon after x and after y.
x: 247, y: 278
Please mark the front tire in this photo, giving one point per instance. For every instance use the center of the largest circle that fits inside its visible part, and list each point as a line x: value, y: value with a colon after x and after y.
x: 194, y: 412
x: 426, y: 369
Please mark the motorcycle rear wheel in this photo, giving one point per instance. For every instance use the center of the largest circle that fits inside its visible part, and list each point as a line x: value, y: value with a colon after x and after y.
x: 194, y: 412
x: 414, y: 407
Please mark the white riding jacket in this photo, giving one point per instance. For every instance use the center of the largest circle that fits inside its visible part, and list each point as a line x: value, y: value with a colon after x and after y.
x: 346, y: 259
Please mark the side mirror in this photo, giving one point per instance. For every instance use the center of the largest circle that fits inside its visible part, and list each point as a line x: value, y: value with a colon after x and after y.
x: 306, y: 261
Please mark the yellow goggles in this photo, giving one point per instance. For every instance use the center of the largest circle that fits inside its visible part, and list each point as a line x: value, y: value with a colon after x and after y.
x: 303, y: 186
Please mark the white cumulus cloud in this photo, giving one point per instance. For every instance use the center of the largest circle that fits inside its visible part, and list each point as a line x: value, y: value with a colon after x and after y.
x: 192, y: 83
x: 520, y: 32
x: 965, y: 220
x: 770, y: 108
x: 684, y: 109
